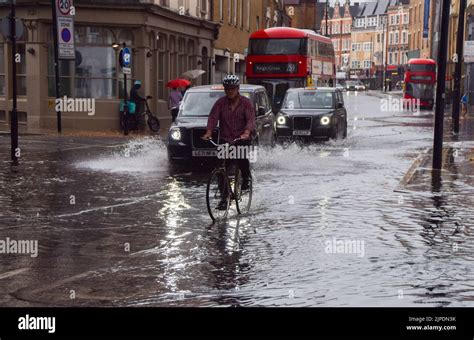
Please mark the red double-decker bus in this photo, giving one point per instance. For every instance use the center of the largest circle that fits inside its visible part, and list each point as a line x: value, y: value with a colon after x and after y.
x: 420, y: 79
x: 281, y: 57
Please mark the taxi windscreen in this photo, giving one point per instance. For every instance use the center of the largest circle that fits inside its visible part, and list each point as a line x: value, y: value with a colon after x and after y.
x: 199, y: 104
x: 308, y: 100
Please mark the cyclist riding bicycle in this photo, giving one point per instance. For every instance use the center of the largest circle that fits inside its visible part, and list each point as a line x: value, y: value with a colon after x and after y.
x: 236, y: 117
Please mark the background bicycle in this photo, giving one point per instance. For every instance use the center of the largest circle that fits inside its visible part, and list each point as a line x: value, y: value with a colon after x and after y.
x: 136, y: 121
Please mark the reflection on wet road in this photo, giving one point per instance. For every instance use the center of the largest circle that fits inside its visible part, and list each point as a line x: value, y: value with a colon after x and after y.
x: 117, y: 226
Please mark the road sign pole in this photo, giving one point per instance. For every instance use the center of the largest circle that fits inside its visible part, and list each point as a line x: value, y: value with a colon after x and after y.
x: 14, y: 112
x: 56, y: 64
x: 441, y: 87
x: 458, y: 66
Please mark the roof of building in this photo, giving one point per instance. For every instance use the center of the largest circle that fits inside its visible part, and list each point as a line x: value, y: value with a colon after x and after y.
x: 369, y: 9
x: 382, y: 6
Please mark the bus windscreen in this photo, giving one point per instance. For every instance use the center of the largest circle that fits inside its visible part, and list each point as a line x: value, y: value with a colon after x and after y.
x: 276, y: 46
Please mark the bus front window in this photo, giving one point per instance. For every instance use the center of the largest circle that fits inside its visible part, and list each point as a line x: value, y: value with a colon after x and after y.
x: 276, y: 46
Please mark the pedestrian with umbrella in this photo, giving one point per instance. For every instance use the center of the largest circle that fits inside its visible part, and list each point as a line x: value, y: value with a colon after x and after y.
x: 176, y: 96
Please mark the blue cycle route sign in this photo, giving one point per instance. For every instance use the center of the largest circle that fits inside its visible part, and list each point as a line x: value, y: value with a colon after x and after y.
x: 125, y: 57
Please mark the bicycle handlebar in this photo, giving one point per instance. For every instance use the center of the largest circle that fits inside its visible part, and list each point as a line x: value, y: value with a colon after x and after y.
x: 216, y: 144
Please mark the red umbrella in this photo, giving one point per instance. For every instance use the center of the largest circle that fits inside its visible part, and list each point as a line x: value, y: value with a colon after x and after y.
x: 178, y: 83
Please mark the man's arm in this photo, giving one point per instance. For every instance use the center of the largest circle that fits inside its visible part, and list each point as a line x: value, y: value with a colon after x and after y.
x: 212, y: 120
x: 250, y: 116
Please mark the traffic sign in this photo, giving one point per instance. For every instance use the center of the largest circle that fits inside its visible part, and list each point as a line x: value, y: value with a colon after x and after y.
x: 125, y: 57
x: 63, y: 7
x: 66, y: 46
x: 126, y: 70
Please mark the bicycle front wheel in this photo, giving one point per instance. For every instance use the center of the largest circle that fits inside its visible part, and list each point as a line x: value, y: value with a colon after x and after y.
x: 153, y: 123
x: 218, y: 195
x: 243, y: 198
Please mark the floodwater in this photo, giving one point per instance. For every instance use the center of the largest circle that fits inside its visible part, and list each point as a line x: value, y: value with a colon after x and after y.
x: 333, y: 224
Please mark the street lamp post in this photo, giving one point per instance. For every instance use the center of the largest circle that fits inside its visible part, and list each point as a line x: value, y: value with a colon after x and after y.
x: 14, y: 116
x: 458, y: 66
x: 327, y: 10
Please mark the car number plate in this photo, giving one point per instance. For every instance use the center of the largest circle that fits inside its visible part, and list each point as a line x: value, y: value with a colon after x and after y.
x: 204, y: 153
x: 302, y: 133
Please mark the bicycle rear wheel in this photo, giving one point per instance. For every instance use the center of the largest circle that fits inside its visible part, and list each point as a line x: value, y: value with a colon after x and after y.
x: 153, y: 123
x: 218, y: 195
x: 243, y: 198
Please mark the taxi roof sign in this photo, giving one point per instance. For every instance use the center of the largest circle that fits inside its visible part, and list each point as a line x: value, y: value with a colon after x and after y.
x: 310, y: 88
x: 217, y: 87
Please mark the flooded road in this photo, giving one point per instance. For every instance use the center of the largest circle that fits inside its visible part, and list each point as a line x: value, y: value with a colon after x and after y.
x: 334, y: 224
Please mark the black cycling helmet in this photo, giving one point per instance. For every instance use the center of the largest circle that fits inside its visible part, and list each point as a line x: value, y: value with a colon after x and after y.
x: 231, y: 80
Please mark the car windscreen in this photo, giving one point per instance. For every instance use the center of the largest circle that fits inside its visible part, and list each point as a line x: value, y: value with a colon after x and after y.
x: 199, y: 104
x: 309, y: 100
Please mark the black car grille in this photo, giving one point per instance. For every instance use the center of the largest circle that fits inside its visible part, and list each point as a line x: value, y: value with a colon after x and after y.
x: 302, y: 123
x: 199, y: 143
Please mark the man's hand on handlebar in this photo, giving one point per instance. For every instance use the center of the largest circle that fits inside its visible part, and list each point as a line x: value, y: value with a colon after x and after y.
x: 245, y: 135
x: 207, y: 136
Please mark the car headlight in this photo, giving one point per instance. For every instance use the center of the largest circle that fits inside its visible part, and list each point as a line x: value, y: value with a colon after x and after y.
x: 281, y: 120
x: 176, y: 134
x: 325, y: 120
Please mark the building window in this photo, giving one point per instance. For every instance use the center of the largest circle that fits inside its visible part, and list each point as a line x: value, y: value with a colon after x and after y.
x: 221, y: 10
x: 247, y: 3
x: 396, y: 37
x: 346, y: 44
x: 2, y: 67
x: 390, y: 38
x: 234, y: 19
x: 378, y: 37
x: 367, y: 63
x: 94, y: 72
x: 405, y: 18
x: 163, y: 68
x: 21, y: 69
x: 390, y: 58
x: 182, y: 56
x: 241, y: 19
x: 229, y: 10
x: 355, y: 64
x: 395, y: 58
x: 404, y: 37
x: 367, y: 46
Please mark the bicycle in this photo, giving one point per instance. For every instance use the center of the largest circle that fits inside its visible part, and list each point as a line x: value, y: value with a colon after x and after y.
x: 222, y: 186
x: 130, y: 120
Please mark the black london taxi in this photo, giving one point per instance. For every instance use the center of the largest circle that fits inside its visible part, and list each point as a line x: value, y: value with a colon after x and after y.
x: 312, y: 114
x: 184, y: 136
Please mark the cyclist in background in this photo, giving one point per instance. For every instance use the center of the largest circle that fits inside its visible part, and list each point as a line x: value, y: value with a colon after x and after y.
x: 135, y: 97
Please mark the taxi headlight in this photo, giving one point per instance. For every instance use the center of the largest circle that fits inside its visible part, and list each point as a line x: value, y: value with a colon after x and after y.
x: 281, y: 120
x: 325, y: 120
x: 176, y: 134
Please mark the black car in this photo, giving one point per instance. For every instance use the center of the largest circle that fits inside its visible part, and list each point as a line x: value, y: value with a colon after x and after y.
x: 184, y: 136
x: 311, y: 114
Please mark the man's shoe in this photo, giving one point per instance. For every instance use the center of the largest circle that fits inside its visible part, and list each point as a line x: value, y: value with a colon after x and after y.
x: 222, y: 205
